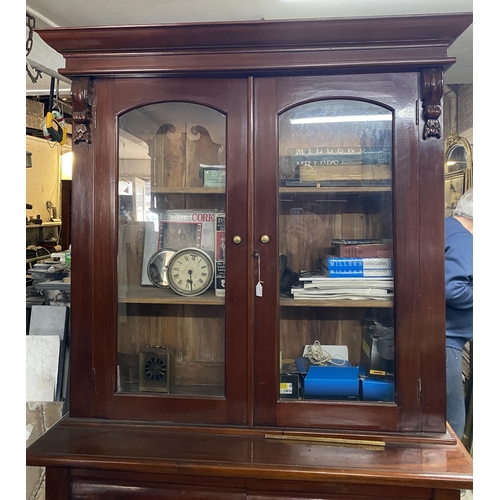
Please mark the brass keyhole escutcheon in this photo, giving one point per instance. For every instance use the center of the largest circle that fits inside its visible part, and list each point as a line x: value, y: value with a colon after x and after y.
x: 237, y: 240
x: 264, y: 238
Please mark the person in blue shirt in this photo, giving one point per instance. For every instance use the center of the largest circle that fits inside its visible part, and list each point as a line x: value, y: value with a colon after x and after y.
x: 459, y: 301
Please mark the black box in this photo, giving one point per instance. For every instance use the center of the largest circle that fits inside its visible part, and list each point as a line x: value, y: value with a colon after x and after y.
x: 291, y: 386
x: 377, y: 356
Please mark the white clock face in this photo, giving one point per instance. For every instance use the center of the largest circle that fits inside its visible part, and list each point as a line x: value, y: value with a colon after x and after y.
x: 190, y: 272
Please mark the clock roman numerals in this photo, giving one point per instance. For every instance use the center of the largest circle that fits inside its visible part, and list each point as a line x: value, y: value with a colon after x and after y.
x: 191, y: 272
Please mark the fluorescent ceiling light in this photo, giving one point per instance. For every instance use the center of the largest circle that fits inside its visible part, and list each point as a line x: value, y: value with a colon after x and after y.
x: 342, y: 119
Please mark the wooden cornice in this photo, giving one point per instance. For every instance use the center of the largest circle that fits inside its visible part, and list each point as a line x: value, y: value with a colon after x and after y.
x: 395, y: 41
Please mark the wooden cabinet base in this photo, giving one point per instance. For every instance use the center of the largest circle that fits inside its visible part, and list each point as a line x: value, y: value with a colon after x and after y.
x: 115, y: 460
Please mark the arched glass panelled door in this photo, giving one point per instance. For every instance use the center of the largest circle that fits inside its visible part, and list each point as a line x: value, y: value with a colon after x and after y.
x: 329, y: 254
x: 179, y: 145
x: 336, y: 252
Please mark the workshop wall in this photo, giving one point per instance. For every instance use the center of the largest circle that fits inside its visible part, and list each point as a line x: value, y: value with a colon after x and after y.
x: 43, y: 179
x: 458, y: 112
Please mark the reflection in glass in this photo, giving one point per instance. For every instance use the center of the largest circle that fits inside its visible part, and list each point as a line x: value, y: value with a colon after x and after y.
x: 171, y: 191
x: 336, y: 252
x: 456, y: 158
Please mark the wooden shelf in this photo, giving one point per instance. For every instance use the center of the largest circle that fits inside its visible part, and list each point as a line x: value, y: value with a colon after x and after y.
x: 136, y: 294
x: 335, y: 189
x: 285, y: 189
x: 187, y: 190
x: 43, y: 224
x: 285, y: 302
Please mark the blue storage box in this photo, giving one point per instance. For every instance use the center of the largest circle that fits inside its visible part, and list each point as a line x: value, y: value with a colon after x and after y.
x: 377, y: 390
x: 332, y: 382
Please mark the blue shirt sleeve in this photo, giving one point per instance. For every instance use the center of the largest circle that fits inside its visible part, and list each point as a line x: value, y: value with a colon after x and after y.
x: 458, y: 271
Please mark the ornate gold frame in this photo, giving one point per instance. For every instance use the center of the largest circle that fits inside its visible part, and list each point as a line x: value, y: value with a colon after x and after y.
x: 453, y: 143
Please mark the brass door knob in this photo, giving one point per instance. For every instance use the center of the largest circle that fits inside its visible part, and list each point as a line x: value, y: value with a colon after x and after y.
x: 236, y: 240
x: 264, y: 238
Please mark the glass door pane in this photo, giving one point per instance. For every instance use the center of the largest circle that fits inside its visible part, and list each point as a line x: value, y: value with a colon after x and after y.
x: 336, y: 252
x: 171, y: 250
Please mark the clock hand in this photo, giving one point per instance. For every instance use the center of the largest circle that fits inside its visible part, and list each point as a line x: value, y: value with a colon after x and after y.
x: 190, y: 281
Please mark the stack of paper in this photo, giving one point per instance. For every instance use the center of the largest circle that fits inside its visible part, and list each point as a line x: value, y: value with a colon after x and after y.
x: 315, y: 285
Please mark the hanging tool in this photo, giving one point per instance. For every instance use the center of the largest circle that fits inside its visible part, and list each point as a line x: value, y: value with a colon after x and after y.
x: 54, y: 126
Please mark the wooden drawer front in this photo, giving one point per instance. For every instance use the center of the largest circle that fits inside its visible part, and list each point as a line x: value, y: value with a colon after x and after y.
x: 82, y: 489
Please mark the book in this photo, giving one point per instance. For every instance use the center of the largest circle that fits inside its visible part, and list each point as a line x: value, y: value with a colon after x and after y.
x: 331, y: 163
x: 340, y: 155
x: 336, y: 183
x: 326, y: 153
x: 365, y: 290
x: 386, y: 296
x: 362, y: 273
x: 364, y: 250
x: 185, y: 228
x: 316, y: 285
x: 319, y: 276
x: 360, y: 241
x: 328, y: 172
x: 220, y: 254
x: 331, y: 262
x: 316, y: 294
x: 350, y: 283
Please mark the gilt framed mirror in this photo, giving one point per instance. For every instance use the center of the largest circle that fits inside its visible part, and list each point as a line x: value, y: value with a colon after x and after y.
x: 458, y: 157
x: 457, y: 170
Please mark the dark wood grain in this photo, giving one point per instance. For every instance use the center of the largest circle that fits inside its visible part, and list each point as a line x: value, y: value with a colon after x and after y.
x: 396, y: 31
x: 251, y: 456
x: 82, y: 285
x: 65, y: 213
x: 213, y: 444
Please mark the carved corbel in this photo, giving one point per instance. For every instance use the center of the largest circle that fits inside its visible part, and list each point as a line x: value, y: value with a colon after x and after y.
x: 82, y: 91
x: 432, y: 93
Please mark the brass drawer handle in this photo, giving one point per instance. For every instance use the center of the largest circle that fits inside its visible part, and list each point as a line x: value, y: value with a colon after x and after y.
x: 237, y: 240
x: 264, y: 238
